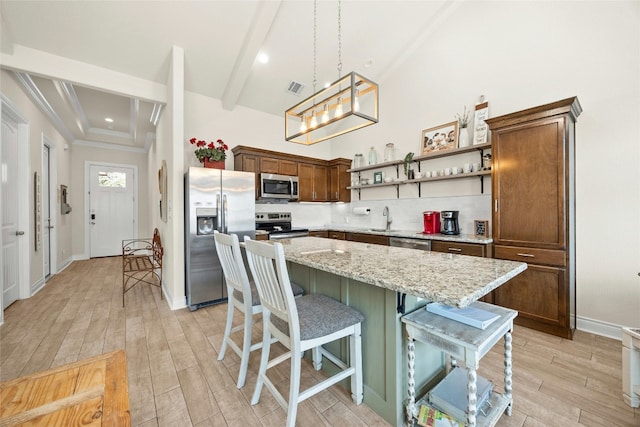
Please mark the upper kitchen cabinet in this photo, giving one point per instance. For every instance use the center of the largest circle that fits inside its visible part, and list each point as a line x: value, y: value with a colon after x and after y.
x: 533, y: 192
x: 319, y: 180
x: 278, y: 166
x: 339, y: 180
x: 313, y: 182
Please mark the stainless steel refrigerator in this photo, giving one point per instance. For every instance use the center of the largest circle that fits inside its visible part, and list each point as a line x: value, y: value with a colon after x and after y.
x: 214, y: 200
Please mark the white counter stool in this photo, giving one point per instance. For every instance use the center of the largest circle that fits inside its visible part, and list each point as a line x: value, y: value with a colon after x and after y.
x: 300, y: 324
x: 243, y: 296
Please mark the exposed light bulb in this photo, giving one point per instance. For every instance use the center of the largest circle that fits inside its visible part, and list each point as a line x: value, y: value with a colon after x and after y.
x: 325, y: 114
x: 356, y: 101
x: 314, y: 120
x: 303, y: 124
x: 339, y: 111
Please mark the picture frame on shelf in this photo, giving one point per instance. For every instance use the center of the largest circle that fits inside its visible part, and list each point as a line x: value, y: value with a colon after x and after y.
x: 439, y: 138
x: 480, y: 128
x: 377, y: 177
x: 481, y: 228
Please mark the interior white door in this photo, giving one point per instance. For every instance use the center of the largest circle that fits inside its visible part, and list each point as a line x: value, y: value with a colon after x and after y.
x: 111, y: 208
x: 46, y: 213
x: 10, y: 231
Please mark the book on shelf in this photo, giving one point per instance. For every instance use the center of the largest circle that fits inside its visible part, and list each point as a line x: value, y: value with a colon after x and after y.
x: 431, y: 417
x: 450, y: 394
x: 472, y: 316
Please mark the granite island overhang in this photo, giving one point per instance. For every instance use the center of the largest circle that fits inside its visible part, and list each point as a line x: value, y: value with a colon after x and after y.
x: 371, y: 278
x: 456, y: 280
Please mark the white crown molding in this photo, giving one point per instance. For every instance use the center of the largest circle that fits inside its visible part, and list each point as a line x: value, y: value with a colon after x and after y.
x: 107, y: 146
x: 38, y: 98
x: 69, y: 93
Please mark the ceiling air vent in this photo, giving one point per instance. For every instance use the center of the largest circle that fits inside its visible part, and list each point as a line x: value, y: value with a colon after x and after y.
x: 295, y: 88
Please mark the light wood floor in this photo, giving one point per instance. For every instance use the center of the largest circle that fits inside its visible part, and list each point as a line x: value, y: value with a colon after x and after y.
x: 175, y: 379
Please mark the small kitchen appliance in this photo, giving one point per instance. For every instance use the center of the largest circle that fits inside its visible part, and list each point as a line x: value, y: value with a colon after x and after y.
x: 431, y: 222
x: 450, y: 222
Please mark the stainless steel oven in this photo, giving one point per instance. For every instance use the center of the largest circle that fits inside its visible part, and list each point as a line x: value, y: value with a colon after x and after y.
x: 274, y: 186
x: 278, y: 225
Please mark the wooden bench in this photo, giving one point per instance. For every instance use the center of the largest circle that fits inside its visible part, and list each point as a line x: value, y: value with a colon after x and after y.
x: 142, y: 262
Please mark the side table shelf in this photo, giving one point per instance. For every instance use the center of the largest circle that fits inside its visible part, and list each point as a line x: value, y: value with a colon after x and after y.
x: 467, y: 345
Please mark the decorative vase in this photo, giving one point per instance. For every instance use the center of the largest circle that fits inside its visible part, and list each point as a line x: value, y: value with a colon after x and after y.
x: 463, y: 138
x: 216, y: 164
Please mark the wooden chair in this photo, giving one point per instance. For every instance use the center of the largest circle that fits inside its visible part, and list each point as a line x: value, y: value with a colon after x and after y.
x: 300, y: 324
x: 142, y: 262
x: 243, y: 296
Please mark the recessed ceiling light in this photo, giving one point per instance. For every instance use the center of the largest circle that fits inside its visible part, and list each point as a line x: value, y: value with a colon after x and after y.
x: 263, y: 58
x: 108, y: 119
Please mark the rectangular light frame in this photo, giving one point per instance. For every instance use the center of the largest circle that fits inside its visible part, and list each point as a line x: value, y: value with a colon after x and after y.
x: 358, y: 97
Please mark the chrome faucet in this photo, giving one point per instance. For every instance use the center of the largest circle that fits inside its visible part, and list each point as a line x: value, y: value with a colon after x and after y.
x: 385, y: 212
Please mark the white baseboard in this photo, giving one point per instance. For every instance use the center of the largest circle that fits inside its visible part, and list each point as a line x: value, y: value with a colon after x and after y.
x: 66, y: 263
x: 598, y: 327
x: 37, y: 286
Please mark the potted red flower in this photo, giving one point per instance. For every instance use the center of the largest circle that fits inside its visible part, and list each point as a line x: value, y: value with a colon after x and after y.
x: 210, y: 154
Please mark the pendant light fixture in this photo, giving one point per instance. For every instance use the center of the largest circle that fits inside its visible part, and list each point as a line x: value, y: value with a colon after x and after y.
x: 348, y: 104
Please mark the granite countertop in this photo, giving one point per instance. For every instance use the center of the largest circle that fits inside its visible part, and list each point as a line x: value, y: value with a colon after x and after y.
x: 456, y: 280
x: 413, y: 234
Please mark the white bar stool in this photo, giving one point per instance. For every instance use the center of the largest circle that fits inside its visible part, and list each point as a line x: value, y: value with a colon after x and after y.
x: 243, y: 296
x: 300, y: 324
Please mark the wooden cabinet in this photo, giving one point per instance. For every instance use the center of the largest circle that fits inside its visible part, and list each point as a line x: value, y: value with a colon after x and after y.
x: 319, y: 233
x: 473, y: 249
x: 278, y: 166
x: 338, y: 235
x: 312, y: 181
x: 248, y: 163
x: 533, y: 192
x: 319, y: 180
x: 368, y: 238
x: 339, y: 181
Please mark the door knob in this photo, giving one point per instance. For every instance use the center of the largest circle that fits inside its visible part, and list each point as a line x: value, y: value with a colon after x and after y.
x: 19, y: 233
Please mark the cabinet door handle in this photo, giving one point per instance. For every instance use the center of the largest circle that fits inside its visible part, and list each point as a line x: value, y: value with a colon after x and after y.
x: 527, y: 255
x: 455, y: 249
x: 495, y: 205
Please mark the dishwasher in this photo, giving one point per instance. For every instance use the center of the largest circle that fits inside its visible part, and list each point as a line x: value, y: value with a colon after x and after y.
x: 402, y: 242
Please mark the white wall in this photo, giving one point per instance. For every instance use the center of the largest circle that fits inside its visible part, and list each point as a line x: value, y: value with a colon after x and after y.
x: 78, y: 192
x: 39, y: 125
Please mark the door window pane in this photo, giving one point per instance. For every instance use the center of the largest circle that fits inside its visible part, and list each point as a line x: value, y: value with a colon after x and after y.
x: 112, y: 179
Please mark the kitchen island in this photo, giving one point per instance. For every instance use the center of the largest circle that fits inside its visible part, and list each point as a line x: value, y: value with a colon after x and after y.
x: 375, y: 279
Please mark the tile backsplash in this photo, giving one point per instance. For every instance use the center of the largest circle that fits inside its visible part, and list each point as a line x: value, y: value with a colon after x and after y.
x: 406, y: 214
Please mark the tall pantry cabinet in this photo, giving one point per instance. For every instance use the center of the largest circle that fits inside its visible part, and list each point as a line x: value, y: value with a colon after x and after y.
x: 533, y: 192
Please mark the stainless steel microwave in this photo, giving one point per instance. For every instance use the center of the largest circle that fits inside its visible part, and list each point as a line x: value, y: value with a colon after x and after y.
x: 274, y: 186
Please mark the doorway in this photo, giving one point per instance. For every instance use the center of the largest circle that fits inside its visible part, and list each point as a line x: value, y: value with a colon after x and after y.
x: 112, y: 207
x: 49, y: 212
x: 14, y: 205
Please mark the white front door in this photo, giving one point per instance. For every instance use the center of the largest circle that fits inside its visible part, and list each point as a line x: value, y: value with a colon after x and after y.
x: 111, y: 208
x: 10, y: 231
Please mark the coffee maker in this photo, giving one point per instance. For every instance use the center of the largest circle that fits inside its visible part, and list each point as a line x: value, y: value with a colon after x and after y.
x: 431, y: 222
x: 450, y: 222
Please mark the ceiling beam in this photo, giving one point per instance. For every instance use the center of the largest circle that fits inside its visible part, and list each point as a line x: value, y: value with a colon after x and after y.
x: 263, y: 18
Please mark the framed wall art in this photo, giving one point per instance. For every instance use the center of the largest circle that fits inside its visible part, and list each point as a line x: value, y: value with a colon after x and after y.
x: 439, y: 138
